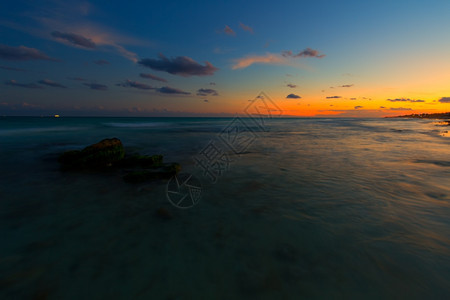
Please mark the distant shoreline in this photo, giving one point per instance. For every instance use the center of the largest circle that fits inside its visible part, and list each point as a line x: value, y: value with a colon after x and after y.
x: 445, y: 115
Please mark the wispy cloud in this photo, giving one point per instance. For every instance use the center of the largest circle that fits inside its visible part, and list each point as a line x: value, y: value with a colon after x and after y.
x: 74, y: 39
x: 445, y: 100
x: 400, y: 108
x: 229, y: 31
x: 23, y: 85
x: 247, y: 61
x: 334, y: 97
x: 51, y: 83
x: 293, y: 96
x: 246, y: 27
x: 96, y: 86
x: 292, y: 86
x: 207, y: 92
x: 358, y: 107
x: 101, y: 62
x: 135, y: 84
x: 346, y: 85
x: 405, y: 100
x: 181, y: 65
x: 169, y: 90
x: 22, y: 53
x: 308, y: 52
x: 153, y: 77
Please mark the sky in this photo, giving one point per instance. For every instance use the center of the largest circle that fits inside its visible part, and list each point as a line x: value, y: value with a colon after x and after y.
x: 211, y: 58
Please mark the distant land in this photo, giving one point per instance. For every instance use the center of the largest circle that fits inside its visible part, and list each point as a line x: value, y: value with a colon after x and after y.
x: 445, y: 115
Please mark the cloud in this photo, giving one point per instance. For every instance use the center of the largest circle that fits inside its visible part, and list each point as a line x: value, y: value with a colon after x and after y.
x: 207, y: 92
x: 292, y: 86
x: 51, y: 83
x: 12, y: 69
x: 135, y: 84
x: 74, y: 39
x: 264, y: 59
x: 293, y: 96
x: 181, y: 65
x: 400, y: 108
x: 308, y: 52
x: 346, y: 85
x: 352, y: 98
x: 404, y: 100
x: 169, y: 90
x: 334, y: 97
x: 101, y: 62
x: 382, y: 107
x: 212, y: 83
x: 246, y: 27
x: 153, y: 77
x: 206, y: 100
x: 22, y: 53
x: 229, y: 31
x: 96, y: 86
x: 445, y: 100
x: 358, y: 107
x: 23, y: 85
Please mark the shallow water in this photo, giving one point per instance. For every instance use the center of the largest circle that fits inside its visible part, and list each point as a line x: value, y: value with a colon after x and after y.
x: 313, y: 208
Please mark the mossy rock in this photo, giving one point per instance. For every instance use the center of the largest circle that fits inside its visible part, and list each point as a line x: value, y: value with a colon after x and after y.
x: 103, y: 154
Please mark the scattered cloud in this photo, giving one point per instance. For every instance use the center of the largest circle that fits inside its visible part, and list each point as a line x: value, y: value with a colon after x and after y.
x: 246, y: 27
x: 74, y: 39
x: 96, y: 86
x: 358, y: 107
x: 169, y: 90
x: 400, y: 108
x: 405, y: 100
x: 23, y: 85
x: 293, y: 96
x: 101, y: 62
x: 263, y: 59
x: 153, y: 77
x: 352, y: 98
x: 334, y: 97
x: 212, y: 83
x: 292, y: 86
x: 12, y: 69
x: 346, y: 85
x: 206, y: 100
x: 181, y: 65
x: 51, y: 83
x: 135, y: 84
x: 445, y: 100
x: 308, y: 52
x: 382, y: 107
x: 207, y: 92
x: 229, y: 31
x: 22, y: 53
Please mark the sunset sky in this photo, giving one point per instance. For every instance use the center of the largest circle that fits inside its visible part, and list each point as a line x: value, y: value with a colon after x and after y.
x: 194, y: 58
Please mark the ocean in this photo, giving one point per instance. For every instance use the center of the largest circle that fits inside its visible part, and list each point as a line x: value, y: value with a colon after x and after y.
x: 313, y: 208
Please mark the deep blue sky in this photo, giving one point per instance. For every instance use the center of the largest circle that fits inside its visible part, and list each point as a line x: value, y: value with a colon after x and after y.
x: 86, y: 57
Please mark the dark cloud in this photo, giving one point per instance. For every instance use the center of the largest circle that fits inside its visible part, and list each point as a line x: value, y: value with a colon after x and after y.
x: 229, y: 31
x: 23, y: 85
x: 382, y: 107
x: 334, y: 97
x: 246, y: 27
x: 445, y: 100
x: 352, y: 98
x: 308, y: 52
x: 51, y: 83
x: 292, y: 86
x: 96, y: 86
x: 346, y: 85
x: 101, y: 62
x: 212, y: 83
x: 358, y: 107
x: 206, y: 100
x: 135, y: 84
x: 74, y: 39
x: 293, y: 96
x: 207, y: 92
x: 169, y: 90
x: 22, y: 53
x: 181, y: 65
x: 405, y: 100
x: 12, y: 69
x: 400, y: 108
x: 153, y: 77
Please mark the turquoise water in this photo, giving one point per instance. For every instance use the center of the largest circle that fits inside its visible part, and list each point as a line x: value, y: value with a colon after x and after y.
x: 313, y: 208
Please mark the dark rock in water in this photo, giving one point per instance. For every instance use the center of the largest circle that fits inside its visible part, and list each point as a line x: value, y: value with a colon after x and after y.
x: 164, y: 172
x: 164, y: 214
x: 97, y: 156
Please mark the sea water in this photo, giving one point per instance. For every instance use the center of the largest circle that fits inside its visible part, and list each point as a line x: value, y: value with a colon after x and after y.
x: 313, y: 208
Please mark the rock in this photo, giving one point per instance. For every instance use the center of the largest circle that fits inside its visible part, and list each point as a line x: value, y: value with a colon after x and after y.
x: 97, y: 156
x: 165, y: 172
x: 144, y: 161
